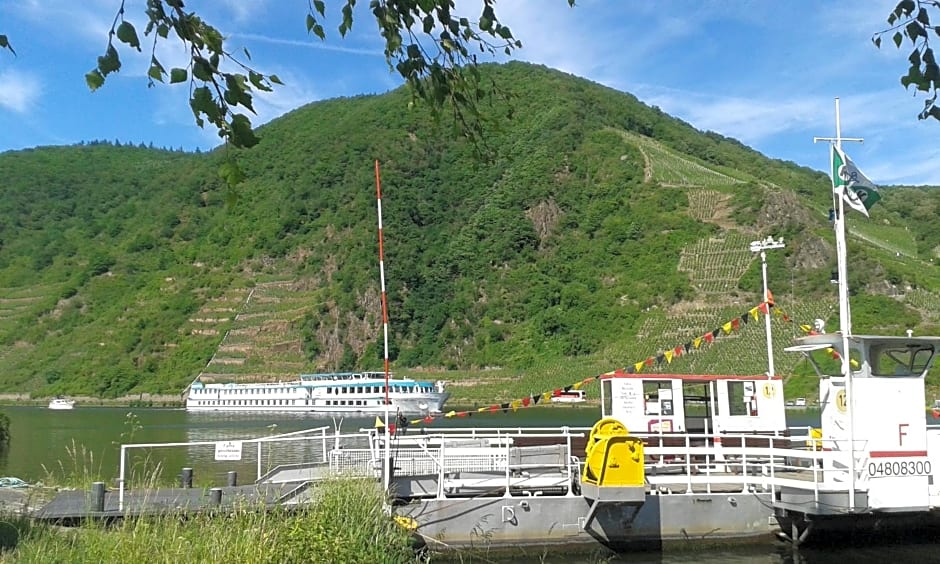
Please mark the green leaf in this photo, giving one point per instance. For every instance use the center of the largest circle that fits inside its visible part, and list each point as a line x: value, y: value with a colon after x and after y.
x: 311, y: 21
x: 274, y: 78
x: 877, y: 41
x: 914, y: 30
x: 320, y: 7
x: 156, y: 72
x: 231, y: 173
x: 127, y: 34
x: 201, y: 69
x: 109, y: 62
x: 923, y: 17
x: 202, y: 102
x: 5, y: 44
x: 242, y: 133
x: 897, y: 37
x: 178, y: 75
x: 94, y: 80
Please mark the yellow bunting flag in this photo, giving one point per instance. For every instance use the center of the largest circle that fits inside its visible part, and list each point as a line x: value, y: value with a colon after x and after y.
x: 638, y: 366
x: 697, y: 342
x: 516, y: 404
x: 754, y: 313
x: 668, y: 355
x: 726, y: 328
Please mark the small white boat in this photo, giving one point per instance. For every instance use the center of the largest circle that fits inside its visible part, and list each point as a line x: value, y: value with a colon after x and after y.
x: 61, y: 403
x: 571, y: 396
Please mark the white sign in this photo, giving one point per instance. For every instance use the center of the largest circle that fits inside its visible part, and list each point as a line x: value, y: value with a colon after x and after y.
x: 228, y: 450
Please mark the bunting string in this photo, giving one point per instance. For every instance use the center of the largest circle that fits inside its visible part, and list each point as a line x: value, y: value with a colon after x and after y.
x: 667, y: 356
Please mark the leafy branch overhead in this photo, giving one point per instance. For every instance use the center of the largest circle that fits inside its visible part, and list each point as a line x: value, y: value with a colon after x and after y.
x: 432, y: 48
x: 910, y: 19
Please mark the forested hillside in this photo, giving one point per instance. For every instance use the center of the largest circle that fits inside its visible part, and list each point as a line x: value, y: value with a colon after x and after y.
x: 596, y: 232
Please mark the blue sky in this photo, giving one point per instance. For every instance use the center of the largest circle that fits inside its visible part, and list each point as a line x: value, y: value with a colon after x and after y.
x: 763, y: 72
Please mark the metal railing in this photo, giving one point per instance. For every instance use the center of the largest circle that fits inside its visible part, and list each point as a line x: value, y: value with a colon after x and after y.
x: 304, y: 435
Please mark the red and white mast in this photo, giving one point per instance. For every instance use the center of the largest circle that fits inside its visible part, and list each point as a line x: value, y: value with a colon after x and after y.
x: 378, y: 201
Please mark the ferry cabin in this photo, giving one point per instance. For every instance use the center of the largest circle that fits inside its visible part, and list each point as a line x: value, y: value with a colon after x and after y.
x: 682, y: 403
x: 878, y: 421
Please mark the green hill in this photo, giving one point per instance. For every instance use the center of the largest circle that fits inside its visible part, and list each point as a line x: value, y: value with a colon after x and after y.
x: 599, y: 232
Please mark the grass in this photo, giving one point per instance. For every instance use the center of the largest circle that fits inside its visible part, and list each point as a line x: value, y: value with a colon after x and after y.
x: 347, y: 523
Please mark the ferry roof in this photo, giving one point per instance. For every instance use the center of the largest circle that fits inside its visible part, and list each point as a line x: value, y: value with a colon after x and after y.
x: 834, y: 340
x: 685, y: 377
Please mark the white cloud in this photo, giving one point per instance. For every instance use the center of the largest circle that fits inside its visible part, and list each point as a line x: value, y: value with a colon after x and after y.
x: 20, y: 90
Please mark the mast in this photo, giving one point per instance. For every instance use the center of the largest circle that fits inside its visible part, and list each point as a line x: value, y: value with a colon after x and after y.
x: 386, y: 474
x: 845, y: 318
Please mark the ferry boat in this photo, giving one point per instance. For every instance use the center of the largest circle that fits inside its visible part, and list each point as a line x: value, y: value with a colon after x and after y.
x: 59, y: 403
x: 571, y: 396
x: 337, y: 392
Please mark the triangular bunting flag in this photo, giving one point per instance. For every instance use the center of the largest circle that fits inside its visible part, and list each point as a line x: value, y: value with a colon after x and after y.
x: 668, y: 356
x: 726, y: 327
x: 660, y: 358
x: 650, y: 361
x: 736, y: 323
x: 527, y: 401
x: 709, y: 337
x: 677, y: 351
x: 745, y: 318
x: 754, y: 312
x: 770, y: 297
x: 715, y: 332
x: 763, y: 308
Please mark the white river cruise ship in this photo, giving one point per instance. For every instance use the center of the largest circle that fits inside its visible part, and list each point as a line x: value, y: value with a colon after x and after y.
x: 342, y: 392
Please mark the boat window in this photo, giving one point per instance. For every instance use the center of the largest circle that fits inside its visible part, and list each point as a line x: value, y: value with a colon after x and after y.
x: 901, y: 360
x: 655, y: 400
x: 742, y: 398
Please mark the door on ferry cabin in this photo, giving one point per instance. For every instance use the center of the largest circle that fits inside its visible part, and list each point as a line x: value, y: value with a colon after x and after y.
x: 697, y: 398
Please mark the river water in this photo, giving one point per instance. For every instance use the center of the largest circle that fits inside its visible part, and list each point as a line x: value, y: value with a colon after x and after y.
x: 86, y: 441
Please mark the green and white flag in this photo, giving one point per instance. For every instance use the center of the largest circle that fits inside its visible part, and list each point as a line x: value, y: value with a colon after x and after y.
x: 848, y: 182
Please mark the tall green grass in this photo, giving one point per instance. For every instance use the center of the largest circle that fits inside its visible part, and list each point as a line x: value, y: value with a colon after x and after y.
x: 345, y: 523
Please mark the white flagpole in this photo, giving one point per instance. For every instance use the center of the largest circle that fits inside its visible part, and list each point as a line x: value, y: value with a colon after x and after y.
x: 845, y: 318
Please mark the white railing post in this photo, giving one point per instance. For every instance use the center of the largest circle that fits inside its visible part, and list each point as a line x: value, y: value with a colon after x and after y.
x: 121, y: 482
x: 440, y: 469
x: 259, y: 460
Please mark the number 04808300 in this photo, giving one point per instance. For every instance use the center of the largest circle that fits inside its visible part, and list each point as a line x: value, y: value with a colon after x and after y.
x: 908, y: 467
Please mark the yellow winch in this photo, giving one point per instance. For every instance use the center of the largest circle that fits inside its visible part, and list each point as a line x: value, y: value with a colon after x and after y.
x: 612, y: 456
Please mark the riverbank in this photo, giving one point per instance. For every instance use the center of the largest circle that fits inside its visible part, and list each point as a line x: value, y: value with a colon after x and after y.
x: 132, y: 400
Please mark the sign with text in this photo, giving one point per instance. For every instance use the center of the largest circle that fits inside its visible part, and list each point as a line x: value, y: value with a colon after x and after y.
x: 228, y: 450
